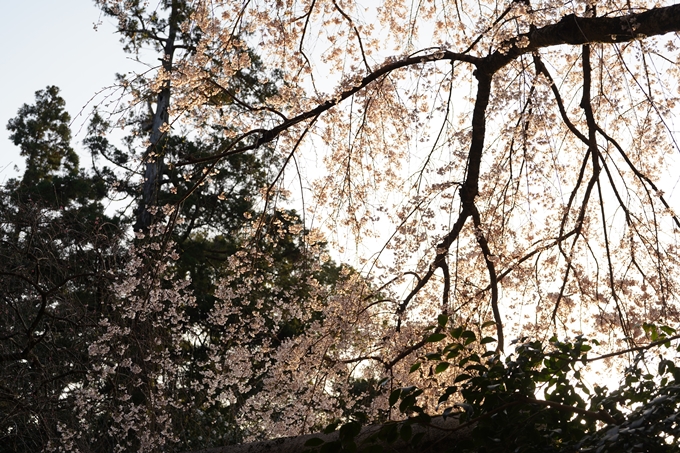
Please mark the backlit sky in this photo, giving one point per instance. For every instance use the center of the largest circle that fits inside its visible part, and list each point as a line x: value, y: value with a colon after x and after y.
x: 53, y: 42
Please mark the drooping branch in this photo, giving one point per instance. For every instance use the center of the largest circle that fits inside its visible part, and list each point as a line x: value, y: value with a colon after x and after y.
x: 569, y: 30
x: 268, y: 135
x: 493, y: 277
x: 442, y: 249
x: 541, y: 69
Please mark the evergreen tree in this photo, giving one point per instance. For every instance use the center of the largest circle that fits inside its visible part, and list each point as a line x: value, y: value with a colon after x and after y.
x: 216, y: 212
x: 57, y: 250
x: 42, y: 133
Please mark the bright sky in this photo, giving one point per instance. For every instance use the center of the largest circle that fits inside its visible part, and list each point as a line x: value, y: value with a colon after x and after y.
x: 53, y: 42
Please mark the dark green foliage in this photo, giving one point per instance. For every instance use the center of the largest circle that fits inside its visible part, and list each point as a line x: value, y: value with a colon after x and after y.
x: 42, y: 133
x: 536, y: 400
x: 140, y: 27
x: 654, y: 422
x: 57, y: 250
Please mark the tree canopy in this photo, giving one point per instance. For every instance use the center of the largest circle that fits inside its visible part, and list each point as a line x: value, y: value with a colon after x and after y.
x: 492, y: 170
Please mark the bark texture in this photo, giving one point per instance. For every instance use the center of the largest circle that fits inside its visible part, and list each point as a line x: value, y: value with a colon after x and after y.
x: 440, y: 434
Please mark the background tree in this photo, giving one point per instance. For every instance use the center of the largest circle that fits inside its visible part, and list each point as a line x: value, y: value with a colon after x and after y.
x: 58, y: 252
x: 42, y: 133
x: 54, y: 219
x: 136, y: 349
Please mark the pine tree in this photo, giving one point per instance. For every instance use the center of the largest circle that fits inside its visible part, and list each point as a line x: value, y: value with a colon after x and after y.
x: 58, y: 248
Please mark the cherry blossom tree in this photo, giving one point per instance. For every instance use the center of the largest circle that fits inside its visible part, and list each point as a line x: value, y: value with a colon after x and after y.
x: 480, y: 161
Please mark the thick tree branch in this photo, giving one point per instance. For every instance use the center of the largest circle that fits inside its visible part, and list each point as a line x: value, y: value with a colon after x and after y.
x: 575, y: 30
x: 569, y: 30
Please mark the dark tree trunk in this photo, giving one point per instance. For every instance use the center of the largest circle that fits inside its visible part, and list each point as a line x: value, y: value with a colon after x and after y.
x: 153, y: 157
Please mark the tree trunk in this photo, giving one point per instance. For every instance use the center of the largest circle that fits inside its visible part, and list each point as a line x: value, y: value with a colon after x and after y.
x: 153, y: 157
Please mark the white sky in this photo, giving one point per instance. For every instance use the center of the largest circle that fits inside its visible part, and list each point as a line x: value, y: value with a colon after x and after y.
x: 53, y: 42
